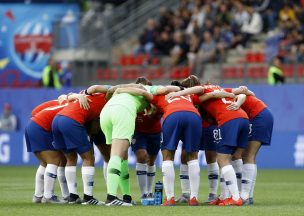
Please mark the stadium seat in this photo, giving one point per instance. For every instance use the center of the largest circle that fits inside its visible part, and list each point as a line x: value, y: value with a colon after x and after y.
x: 231, y: 72
x: 257, y: 72
x: 289, y: 70
x: 130, y: 73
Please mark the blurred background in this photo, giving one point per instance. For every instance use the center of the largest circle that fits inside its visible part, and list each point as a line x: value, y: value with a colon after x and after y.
x: 53, y: 47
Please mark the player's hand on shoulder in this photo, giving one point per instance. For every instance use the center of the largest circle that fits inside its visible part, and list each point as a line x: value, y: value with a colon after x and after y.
x: 84, y: 101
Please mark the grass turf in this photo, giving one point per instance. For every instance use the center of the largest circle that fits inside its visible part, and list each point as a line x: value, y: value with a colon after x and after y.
x: 278, y: 192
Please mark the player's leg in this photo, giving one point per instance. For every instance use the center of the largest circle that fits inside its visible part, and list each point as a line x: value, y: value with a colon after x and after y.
x: 209, y: 140
x: 230, y: 133
x: 250, y: 169
x: 237, y: 164
x: 105, y: 151
x: 52, y: 158
x: 213, y: 174
x: 184, y: 179
x: 139, y: 146
x: 191, y: 137
x: 39, y: 177
x: 61, y: 177
x: 153, y: 148
x: 171, y: 131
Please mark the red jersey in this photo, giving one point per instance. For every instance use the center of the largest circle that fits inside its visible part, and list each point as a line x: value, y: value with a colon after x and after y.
x: 148, y: 124
x: 44, y: 105
x: 217, y: 107
x: 175, y: 104
x: 45, y: 117
x: 253, y: 106
x: 82, y: 116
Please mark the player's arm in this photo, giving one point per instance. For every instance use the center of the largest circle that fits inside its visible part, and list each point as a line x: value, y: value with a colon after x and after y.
x: 97, y: 89
x: 240, y: 99
x: 82, y: 98
x: 242, y: 90
x: 135, y: 91
x: 163, y: 90
x: 192, y: 90
x: 112, y: 89
x: 216, y: 94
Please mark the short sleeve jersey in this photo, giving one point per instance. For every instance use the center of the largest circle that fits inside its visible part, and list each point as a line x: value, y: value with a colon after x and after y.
x: 175, y: 104
x: 217, y: 107
x: 252, y: 105
x: 44, y: 105
x: 82, y: 116
x: 45, y: 117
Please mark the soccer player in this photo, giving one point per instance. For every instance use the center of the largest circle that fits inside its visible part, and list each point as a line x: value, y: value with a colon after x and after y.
x: 233, y: 128
x: 70, y: 136
x: 260, y: 131
x: 39, y: 139
x: 146, y: 144
x: 117, y: 121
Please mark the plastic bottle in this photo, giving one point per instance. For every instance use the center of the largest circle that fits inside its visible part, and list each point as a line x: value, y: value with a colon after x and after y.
x: 158, y: 195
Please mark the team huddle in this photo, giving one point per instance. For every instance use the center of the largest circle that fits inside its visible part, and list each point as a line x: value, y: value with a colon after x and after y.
x: 229, y: 124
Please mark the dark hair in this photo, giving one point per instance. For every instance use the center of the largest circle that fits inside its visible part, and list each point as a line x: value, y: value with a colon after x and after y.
x: 175, y: 83
x: 143, y: 80
x: 191, y: 81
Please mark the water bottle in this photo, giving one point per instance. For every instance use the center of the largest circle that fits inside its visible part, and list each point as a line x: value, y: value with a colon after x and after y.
x: 158, y: 195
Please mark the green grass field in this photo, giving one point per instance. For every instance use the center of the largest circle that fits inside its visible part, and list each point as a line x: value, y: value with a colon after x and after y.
x: 278, y: 192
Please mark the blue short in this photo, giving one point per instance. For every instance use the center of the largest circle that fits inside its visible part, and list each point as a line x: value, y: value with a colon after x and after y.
x: 98, y: 138
x: 210, y: 138
x: 150, y: 142
x: 260, y: 127
x: 234, y: 134
x: 185, y: 126
x: 70, y: 136
x: 38, y: 139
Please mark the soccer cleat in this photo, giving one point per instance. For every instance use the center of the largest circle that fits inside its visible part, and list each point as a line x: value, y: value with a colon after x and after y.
x: 92, y: 201
x: 215, y: 202
x: 128, y: 199
x: 184, y: 198
x: 74, y: 199
x: 211, y: 198
x: 150, y: 196
x: 231, y: 201
x: 65, y: 199
x: 36, y: 199
x: 117, y: 202
x: 170, y: 202
x: 193, y: 202
x: 53, y: 200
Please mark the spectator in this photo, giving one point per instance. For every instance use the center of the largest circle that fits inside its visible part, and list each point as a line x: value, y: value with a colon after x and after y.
x: 147, y: 38
x: 275, y: 72
x: 164, y: 44
x: 287, y: 17
x: 180, y: 49
x: 50, y: 75
x: 207, y: 49
x: 252, y: 27
x: 8, y: 121
x: 194, y: 47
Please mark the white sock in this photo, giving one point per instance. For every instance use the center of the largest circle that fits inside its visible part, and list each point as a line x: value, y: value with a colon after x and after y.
x: 50, y: 176
x: 151, y: 178
x: 88, y: 173
x: 105, y: 174
x: 238, y: 168
x: 62, y: 182
x: 213, y: 177
x: 253, y: 182
x: 70, y: 175
x: 184, y: 178
x: 231, y: 182
x: 168, y: 178
x: 225, y: 193
x: 247, y: 180
x: 141, y: 173
x: 39, y: 181
x: 194, y: 178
